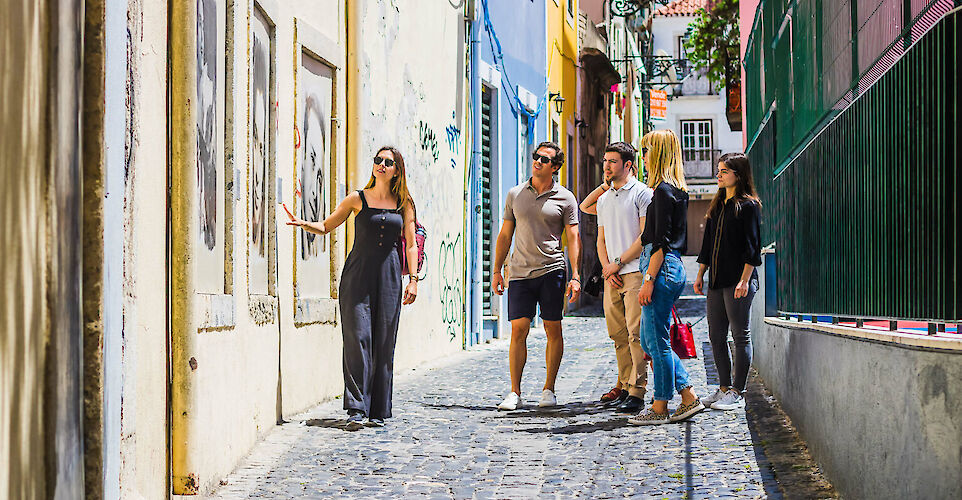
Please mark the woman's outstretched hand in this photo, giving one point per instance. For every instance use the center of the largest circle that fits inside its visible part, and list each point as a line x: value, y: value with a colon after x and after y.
x: 294, y: 221
x: 410, y: 292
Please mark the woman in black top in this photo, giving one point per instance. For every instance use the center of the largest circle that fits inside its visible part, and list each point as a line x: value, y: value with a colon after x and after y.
x: 371, y: 285
x: 664, y: 279
x: 730, y: 253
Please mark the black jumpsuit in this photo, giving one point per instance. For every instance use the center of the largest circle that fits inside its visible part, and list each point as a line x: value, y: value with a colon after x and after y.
x: 370, y: 302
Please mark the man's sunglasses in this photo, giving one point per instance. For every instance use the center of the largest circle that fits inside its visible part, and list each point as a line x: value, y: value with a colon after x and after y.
x: 387, y: 161
x: 544, y: 160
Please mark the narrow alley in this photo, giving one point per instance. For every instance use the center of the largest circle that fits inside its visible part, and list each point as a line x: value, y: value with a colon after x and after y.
x: 234, y: 233
x: 447, y: 440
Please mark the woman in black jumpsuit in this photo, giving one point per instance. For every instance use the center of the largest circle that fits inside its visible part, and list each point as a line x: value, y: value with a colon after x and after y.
x: 370, y: 291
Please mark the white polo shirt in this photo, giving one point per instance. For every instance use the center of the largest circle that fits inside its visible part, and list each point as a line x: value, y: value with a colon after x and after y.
x: 619, y: 211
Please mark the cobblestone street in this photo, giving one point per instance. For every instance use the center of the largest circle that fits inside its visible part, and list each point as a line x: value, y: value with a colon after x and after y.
x: 447, y: 440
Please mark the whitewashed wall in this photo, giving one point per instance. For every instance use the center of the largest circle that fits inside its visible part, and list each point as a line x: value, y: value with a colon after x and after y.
x: 411, y: 97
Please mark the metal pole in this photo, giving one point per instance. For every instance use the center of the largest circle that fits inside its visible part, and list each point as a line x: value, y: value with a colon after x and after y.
x: 473, y: 329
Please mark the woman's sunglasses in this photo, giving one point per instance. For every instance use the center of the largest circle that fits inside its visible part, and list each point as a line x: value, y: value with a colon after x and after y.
x: 387, y: 161
x: 544, y: 160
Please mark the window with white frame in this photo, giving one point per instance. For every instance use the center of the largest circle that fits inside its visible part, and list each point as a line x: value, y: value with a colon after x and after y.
x: 697, y: 145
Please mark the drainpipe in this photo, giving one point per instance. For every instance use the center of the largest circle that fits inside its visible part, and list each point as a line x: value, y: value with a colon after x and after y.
x: 474, y: 204
x: 183, y: 227
x: 353, y: 136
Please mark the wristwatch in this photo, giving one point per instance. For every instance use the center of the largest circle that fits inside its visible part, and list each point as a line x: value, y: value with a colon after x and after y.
x: 619, y: 262
x: 647, y: 278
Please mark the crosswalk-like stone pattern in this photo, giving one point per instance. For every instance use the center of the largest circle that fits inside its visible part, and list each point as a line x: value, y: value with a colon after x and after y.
x: 447, y: 440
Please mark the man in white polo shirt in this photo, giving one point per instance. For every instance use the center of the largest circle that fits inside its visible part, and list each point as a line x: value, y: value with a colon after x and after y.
x: 621, y: 220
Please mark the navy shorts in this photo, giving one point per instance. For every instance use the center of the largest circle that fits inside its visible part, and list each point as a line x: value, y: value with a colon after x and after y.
x: 548, y: 291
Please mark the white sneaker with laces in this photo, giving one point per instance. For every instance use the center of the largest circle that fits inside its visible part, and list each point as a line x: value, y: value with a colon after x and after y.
x: 730, y: 401
x: 714, y: 397
x: 547, y: 399
x: 511, y: 402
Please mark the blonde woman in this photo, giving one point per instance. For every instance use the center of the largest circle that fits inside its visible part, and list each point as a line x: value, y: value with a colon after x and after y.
x: 664, y: 279
x: 370, y: 292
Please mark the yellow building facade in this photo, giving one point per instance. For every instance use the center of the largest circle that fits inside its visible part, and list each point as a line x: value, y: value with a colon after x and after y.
x: 562, y: 56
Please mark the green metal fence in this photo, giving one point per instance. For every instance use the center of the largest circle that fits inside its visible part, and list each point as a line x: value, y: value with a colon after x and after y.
x: 852, y: 115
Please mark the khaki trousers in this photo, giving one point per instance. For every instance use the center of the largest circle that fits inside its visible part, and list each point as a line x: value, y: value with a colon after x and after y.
x: 623, y: 316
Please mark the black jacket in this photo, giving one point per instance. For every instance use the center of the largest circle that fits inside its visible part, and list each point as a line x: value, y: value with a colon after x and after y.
x: 666, y: 224
x: 732, y: 239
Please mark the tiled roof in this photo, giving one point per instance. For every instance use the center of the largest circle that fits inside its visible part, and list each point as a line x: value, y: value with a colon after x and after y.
x: 681, y: 8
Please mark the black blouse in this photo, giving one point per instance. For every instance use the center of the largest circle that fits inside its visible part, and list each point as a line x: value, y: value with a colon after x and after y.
x: 666, y: 224
x: 732, y: 239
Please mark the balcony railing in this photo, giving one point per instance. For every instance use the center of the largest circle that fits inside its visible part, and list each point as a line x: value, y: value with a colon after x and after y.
x: 696, y: 83
x: 700, y: 163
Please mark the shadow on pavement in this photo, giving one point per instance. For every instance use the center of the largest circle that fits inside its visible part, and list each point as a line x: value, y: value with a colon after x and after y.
x: 617, y: 422
x: 334, y: 423
x: 585, y: 428
x: 561, y: 411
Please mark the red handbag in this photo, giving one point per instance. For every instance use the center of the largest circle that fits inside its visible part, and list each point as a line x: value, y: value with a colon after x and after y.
x: 420, y: 234
x: 682, y: 340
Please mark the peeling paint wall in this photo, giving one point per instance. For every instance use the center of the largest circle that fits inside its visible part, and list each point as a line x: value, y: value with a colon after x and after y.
x: 255, y: 337
x: 194, y: 132
x: 411, y: 98
x: 135, y: 351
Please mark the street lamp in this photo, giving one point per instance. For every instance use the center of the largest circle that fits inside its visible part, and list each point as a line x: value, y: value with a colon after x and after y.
x: 559, y: 101
x: 582, y: 127
x: 628, y: 8
x: 624, y: 8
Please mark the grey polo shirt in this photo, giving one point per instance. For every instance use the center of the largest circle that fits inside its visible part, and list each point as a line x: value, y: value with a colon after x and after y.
x: 540, y: 220
x: 619, y: 211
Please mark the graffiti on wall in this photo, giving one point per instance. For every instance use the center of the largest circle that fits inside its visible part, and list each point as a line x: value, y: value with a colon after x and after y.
x: 260, y: 138
x: 207, y: 120
x: 315, y: 85
x: 450, y: 285
x: 427, y: 140
x: 454, y: 138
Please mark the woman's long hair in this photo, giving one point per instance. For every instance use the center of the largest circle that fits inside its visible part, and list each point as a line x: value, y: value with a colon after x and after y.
x: 663, y: 161
x: 744, y: 184
x: 399, y: 183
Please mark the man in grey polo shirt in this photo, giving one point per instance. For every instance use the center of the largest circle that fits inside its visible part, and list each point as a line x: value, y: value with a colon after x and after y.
x: 538, y: 212
x: 621, y: 210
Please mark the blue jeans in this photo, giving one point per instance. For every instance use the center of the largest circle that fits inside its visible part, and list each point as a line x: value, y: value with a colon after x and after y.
x: 669, y: 374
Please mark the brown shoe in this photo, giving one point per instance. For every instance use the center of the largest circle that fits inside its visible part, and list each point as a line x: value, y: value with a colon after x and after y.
x: 612, y: 395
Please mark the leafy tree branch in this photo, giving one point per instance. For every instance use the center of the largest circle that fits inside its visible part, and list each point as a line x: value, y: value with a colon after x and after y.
x: 712, y: 41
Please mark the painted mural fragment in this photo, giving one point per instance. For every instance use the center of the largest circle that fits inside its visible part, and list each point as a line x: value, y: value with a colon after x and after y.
x: 261, y: 167
x: 261, y: 147
x: 207, y: 120
x: 315, y: 85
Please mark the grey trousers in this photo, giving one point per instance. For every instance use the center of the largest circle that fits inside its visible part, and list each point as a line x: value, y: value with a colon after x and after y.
x: 724, y: 312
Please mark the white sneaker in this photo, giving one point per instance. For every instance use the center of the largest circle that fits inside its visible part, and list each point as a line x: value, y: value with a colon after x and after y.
x: 548, y: 399
x: 511, y: 402
x: 714, y: 397
x: 730, y: 401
